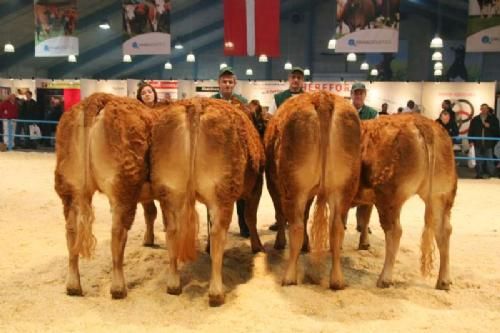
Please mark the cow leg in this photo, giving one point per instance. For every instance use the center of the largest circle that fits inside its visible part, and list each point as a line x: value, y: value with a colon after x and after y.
x: 251, y: 206
x: 149, y: 216
x: 389, y: 219
x: 73, y: 286
x: 363, y: 213
x: 295, y: 217
x: 337, y: 217
x: 171, y: 239
x: 123, y: 217
x: 441, y: 221
x: 305, y: 246
x: 218, y: 233
x: 272, y: 187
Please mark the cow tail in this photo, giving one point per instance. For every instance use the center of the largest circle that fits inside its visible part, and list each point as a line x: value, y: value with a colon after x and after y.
x: 319, y: 228
x: 427, y: 240
x: 85, y: 241
x: 188, y: 224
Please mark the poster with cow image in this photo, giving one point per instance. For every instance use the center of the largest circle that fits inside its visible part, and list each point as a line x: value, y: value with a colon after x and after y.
x: 146, y: 26
x: 465, y: 97
x: 483, y: 26
x: 55, y: 28
x: 458, y: 65
x: 368, y: 26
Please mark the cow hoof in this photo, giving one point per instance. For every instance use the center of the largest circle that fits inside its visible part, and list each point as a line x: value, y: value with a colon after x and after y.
x: 118, y: 294
x: 258, y: 249
x: 74, y: 291
x: 288, y: 282
x: 174, y: 290
x: 443, y: 285
x: 384, y: 284
x: 147, y: 244
x: 215, y: 300
x: 337, y: 285
x: 364, y: 247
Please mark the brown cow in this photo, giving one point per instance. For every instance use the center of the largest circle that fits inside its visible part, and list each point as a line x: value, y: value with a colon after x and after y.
x: 358, y: 14
x: 206, y: 150
x: 102, y: 145
x: 314, y: 141
x: 404, y: 155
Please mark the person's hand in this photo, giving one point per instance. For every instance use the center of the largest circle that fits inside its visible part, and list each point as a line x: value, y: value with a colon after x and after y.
x: 487, y: 125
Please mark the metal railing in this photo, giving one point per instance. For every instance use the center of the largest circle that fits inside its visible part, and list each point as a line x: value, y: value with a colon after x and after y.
x: 11, y: 135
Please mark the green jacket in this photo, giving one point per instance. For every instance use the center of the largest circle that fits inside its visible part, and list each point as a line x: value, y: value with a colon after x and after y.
x: 367, y: 112
x: 239, y: 97
x: 281, y: 97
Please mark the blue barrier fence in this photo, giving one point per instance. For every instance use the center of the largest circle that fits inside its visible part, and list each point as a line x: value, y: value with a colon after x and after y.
x: 11, y: 135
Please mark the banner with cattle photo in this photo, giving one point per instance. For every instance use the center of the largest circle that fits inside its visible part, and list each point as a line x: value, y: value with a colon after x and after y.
x: 55, y: 28
x: 368, y: 26
x: 483, y: 27
x: 146, y: 26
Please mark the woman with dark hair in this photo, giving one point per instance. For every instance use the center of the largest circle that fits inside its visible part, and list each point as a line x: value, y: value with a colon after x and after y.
x: 147, y: 94
x: 445, y: 121
x: 259, y: 117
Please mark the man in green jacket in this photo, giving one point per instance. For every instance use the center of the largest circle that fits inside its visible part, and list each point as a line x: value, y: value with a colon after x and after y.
x: 295, y: 82
x: 358, y: 96
x: 227, y: 82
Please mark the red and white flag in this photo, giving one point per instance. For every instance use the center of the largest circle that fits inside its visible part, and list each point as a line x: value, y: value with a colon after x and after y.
x: 252, y: 27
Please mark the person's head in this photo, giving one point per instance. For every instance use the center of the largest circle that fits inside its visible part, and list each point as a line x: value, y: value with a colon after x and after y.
x: 147, y: 94
x: 385, y: 106
x: 227, y: 82
x: 296, y: 79
x: 445, y: 117
x: 255, y: 107
x: 400, y: 109
x: 28, y: 94
x: 446, y: 104
x: 358, y: 94
x: 485, y: 109
x: 410, y: 104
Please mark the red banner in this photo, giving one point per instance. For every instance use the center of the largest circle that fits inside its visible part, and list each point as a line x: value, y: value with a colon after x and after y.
x: 252, y: 27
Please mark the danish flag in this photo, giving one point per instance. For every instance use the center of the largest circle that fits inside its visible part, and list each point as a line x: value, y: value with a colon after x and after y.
x: 252, y: 27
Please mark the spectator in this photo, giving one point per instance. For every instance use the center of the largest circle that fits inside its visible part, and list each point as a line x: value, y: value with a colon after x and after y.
x: 295, y: 83
x: 446, y: 105
x: 411, y: 107
x: 227, y: 82
x: 260, y: 117
x: 54, y: 114
x: 484, y: 125
x: 358, y: 96
x: 147, y: 94
x: 30, y: 111
x: 384, y: 110
x: 8, y: 111
x: 445, y: 121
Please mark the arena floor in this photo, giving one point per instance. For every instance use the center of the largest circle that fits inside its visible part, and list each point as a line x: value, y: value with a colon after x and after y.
x: 33, y: 263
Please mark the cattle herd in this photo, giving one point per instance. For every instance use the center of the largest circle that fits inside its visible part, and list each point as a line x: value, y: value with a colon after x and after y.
x: 208, y: 150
